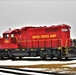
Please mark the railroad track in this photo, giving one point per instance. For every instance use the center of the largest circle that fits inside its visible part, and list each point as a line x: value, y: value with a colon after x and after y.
x: 38, y: 59
x: 11, y: 72
x: 47, y: 69
x: 25, y: 72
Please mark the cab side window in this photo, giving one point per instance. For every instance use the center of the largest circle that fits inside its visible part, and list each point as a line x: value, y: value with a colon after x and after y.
x: 12, y: 35
x: 6, y: 35
x: 51, y: 29
x: 64, y: 29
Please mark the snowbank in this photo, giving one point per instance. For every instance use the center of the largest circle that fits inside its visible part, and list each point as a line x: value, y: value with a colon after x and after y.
x: 21, y: 63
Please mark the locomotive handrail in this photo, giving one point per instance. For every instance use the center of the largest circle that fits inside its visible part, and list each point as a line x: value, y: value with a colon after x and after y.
x: 34, y: 40
x: 20, y: 41
x: 66, y: 42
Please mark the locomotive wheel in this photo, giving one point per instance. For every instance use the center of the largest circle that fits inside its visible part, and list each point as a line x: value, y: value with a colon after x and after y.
x: 10, y: 55
x: 66, y: 58
x: 51, y: 55
x: 2, y: 56
x: 43, y: 55
x: 13, y: 57
x: 20, y: 58
x: 59, y: 57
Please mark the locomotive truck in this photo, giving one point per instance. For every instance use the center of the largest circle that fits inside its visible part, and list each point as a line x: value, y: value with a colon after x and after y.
x: 44, y: 42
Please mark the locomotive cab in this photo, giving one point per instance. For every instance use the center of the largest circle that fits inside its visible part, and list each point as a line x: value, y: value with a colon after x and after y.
x: 8, y: 38
x: 9, y: 41
x: 65, y: 31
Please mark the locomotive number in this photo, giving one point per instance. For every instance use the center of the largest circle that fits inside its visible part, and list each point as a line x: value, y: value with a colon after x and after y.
x: 6, y: 41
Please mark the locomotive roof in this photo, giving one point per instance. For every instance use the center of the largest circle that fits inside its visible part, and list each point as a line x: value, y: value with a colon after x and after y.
x: 30, y: 27
x: 11, y: 31
x: 8, y: 31
x: 53, y: 26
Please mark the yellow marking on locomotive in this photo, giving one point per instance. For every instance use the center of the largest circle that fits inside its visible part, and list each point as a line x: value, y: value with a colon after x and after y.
x: 44, y: 36
x: 42, y: 48
x: 53, y: 35
x: 32, y: 49
x: 6, y: 49
x: 23, y: 49
x: 6, y: 41
x: 37, y: 36
x: 17, y: 49
x: 59, y: 48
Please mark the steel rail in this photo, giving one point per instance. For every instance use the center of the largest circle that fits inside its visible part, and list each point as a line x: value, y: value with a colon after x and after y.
x: 49, y: 73
x: 11, y: 72
x: 39, y: 59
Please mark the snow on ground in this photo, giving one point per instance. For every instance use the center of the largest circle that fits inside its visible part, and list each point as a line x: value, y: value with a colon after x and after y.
x: 1, y: 73
x: 21, y: 63
x: 17, y: 71
x: 71, y: 65
x: 36, y: 69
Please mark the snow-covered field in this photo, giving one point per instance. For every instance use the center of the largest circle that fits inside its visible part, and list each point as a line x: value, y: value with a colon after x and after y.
x: 65, y: 66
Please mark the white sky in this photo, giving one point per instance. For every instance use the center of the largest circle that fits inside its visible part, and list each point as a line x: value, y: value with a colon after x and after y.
x: 19, y: 13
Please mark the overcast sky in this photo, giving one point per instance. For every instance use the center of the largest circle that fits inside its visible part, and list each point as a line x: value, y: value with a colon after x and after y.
x: 19, y: 13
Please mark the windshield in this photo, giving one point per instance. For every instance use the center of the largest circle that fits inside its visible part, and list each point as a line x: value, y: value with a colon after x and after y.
x: 6, y: 35
x: 65, y: 29
x: 12, y: 35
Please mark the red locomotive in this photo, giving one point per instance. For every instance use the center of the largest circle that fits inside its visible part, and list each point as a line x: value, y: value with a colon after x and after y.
x: 46, y: 42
